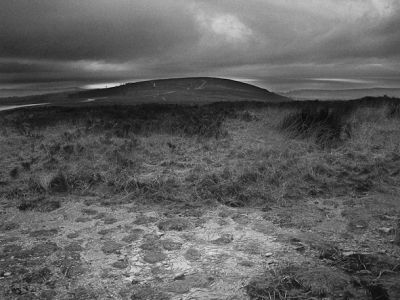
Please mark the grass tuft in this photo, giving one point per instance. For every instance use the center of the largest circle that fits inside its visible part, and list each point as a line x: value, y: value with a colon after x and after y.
x: 327, y: 127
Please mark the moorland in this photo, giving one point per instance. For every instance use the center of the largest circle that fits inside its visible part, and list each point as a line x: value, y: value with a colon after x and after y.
x: 220, y: 191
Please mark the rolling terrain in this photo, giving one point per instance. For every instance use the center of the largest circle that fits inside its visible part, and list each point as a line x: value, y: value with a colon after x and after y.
x: 237, y: 200
x: 347, y: 94
x: 200, y: 90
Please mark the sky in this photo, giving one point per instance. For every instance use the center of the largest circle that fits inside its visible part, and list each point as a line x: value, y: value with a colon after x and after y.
x: 278, y: 44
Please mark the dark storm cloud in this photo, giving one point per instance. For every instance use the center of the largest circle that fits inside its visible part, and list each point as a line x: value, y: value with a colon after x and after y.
x: 92, y: 29
x: 59, y: 39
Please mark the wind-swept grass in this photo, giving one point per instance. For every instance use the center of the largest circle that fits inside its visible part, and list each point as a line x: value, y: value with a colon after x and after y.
x: 327, y: 127
x: 242, y: 154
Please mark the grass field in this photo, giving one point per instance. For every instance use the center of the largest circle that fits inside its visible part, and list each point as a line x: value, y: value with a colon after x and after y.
x: 244, y: 200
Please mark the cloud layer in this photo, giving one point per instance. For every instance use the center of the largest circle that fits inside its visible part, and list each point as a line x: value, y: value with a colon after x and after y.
x: 269, y: 40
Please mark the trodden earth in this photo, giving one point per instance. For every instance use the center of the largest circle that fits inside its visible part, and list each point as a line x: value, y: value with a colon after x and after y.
x: 87, y: 251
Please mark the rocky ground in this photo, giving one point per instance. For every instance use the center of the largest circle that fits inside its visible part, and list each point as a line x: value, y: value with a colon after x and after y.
x: 87, y: 251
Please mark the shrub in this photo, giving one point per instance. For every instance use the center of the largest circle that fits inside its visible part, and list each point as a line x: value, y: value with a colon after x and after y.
x: 394, y: 110
x: 326, y: 126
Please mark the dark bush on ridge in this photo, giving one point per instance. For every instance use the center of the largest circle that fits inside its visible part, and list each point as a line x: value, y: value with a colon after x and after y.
x: 394, y: 110
x: 204, y: 121
x: 326, y: 126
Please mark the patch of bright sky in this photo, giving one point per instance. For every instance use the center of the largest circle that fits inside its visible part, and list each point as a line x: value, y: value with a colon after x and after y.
x: 96, y: 66
x: 224, y: 25
x: 344, y: 80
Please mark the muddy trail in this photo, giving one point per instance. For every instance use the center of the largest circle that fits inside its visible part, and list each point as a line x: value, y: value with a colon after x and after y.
x: 85, y: 250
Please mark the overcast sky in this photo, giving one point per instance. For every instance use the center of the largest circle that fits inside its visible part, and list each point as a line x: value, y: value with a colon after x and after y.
x: 278, y: 42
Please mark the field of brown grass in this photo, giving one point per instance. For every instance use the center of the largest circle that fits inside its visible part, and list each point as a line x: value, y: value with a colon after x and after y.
x: 221, y: 201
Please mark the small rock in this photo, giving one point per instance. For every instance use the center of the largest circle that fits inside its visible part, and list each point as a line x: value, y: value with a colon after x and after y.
x: 131, y: 238
x: 153, y: 257
x: 241, y: 219
x: 171, y: 245
x: 192, y: 254
x: 180, y: 276
x: 120, y: 264
x: 246, y: 263
x: 89, y: 211
x: 269, y: 254
x: 74, y: 247
x: 143, y: 220
x: 223, y: 240
x: 6, y: 274
x: 110, y: 247
x: 72, y: 235
x: 150, y: 245
x: 110, y: 220
x: 44, y: 249
x: 180, y: 287
x: 43, y: 233
x: 176, y: 224
x: 105, y: 231
x: 82, y: 219
x: 100, y: 216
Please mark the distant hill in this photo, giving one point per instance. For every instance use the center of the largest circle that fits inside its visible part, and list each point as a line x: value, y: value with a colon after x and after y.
x: 348, y: 94
x: 198, y: 90
x: 184, y: 90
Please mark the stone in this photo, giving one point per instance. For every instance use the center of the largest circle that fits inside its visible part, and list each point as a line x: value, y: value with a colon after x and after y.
x: 184, y: 285
x: 223, y: 240
x: 171, y: 245
x: 105, y: 231
x: 82, y: 219
x: 241, y: 219
x: 110, y: 220
x: 44, y: 249
x: 153, y: 257
x: 110, y: 247
x: 246, y: 263
x: 100, y: 216
x: 74, y: 247
x: 72, y: 235
x: 151, y: 242
x: 43, y: 233
x: 130, y: 238
x: 143, y: 220
x: 176, y: 224
x: 89, y: 211
x: 192, y: 254
x: 120, y: 264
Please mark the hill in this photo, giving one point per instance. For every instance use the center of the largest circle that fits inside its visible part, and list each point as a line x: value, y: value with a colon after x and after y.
x: 199, y: 90
x: 347, y: 94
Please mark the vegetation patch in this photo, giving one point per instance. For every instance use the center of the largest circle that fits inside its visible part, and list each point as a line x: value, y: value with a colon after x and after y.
x: 327, y: 127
